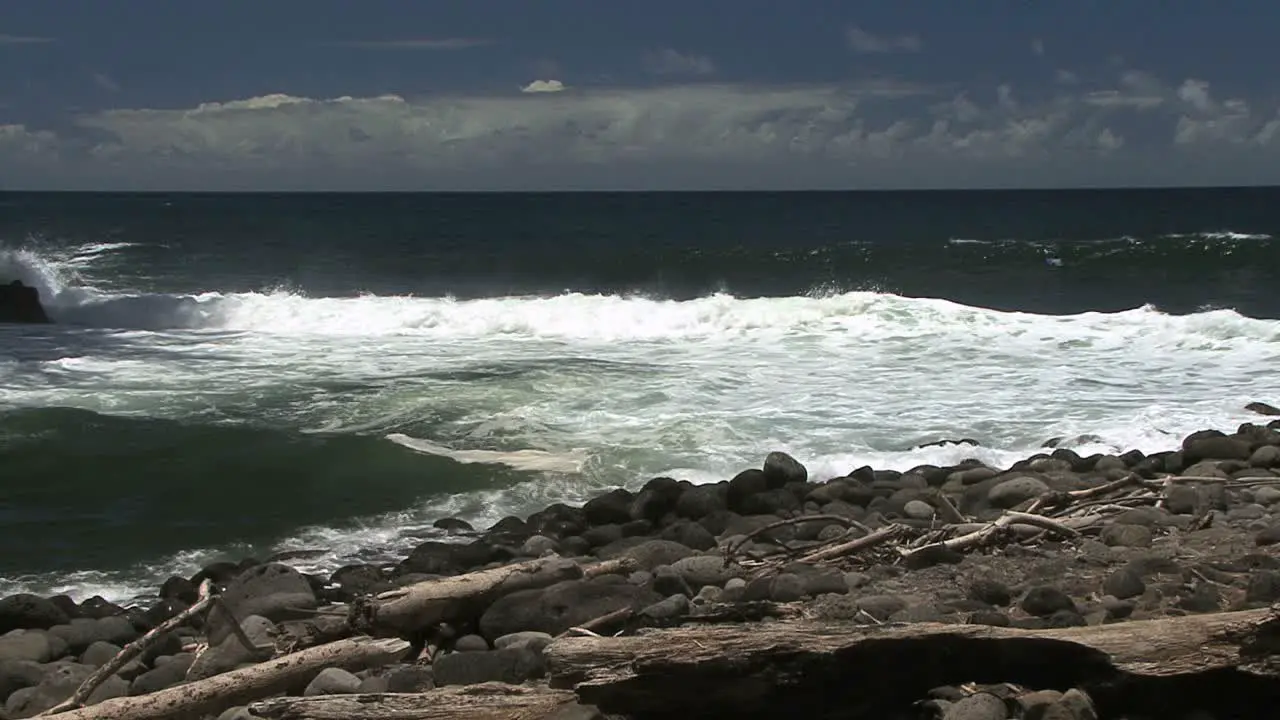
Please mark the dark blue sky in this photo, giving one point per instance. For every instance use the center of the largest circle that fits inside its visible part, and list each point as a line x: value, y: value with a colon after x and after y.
x: 717, y: 93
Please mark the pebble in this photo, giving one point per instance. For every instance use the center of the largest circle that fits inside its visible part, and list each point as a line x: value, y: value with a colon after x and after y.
x: 979, y: 706
x: 1045, y: 600
x: 1124, y: 583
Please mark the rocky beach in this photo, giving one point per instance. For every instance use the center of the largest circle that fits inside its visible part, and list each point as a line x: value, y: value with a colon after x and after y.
x: 1063, y: 587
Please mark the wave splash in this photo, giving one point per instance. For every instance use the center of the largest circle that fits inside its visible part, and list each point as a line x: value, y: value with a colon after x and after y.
x: 67, y: 286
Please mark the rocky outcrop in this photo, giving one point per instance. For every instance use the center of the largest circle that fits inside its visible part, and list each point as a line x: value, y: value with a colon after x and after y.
x: 20, y: 303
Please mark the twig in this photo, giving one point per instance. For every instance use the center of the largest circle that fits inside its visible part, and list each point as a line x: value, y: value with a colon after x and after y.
x: 981, y: 535
x: 884, y: 534
x: 735, y: 546
x: 591, y: 626
x: 204, y: 600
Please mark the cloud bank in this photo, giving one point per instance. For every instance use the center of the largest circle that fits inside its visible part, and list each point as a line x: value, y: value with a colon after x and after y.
x: 1137, y: 129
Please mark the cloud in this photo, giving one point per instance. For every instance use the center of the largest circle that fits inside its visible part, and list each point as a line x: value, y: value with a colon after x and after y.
x: 23, y: 40
x: 881, y: 133
x: 457, y: 43
x: 1037, y: 46
x: 105, y: 82
x: 543, y: 86
x: 670, y: 62
x: 861, y: 41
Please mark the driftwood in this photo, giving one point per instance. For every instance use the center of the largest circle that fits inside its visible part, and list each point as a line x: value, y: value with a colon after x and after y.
x: 410, y: 610
x: 213, y: 695
x: 486, y: 701
x: 819, y: 670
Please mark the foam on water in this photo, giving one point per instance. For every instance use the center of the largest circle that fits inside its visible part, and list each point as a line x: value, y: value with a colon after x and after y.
x: 696, y: 389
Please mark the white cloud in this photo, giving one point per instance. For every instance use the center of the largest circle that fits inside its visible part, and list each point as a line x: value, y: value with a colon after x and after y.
x: 543, y: 86
x: 105, y: 82
x: 23, y: 40
x: 671, y: 62
x: 1037, y: 46
x: 457, y: 43
x: 878, y: 133
x: 862, y: 41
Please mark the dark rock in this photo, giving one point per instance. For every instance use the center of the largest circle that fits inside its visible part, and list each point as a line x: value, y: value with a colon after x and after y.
x: 273, y: 591
x: 179, y: 588
x: 26, y: 611
x: 1267, y: 456
x: 18, y: 674
x: 157, y: 613
x: 229, y: 653
x: 600, y: 535
x: 332, y: 681
x: 410, y: 679
x: 666, y: 581
x: 994, y: 618
x: 219, y: 573
x: 511, y: 530
x: 452, y: 525
x: 556, y: 521
x: 989, y: 591
x: 648, y: 554
x: 780, y: 469
x: 163, y: 675
x: 1045, y: 600
x: 1213, y: 445
x: 1065, y: 619
x: 66, y: 605
x: 1124, y: 583
x: 1126, y: 535
x: 1181, y: 500
x: 1264, y: 587
x: 770, y: 502
x: 1203, y: 598
x: 787, y: 587
x: 701, y: 501
x: 1268, y: 536
x: 881, y: 607
x: 743, y: 486
x: 512, y: 666
x: 1015, y: 491
x: 613, y: 507
x: 470, y: 643
x: 690, y: 534
x: 432, y: 558
x: 20, y: 303
x: 657, y: 498
x: 1262, y: 408
x: 667, y: 610
x: 356, y: 580
x: 561, y: 606
x: 539, y: 545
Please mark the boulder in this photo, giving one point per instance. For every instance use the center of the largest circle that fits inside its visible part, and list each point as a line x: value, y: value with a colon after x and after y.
x: 29, y: 612
x: 557, y: 608
x: 20, y: 303
x: 274, y: 591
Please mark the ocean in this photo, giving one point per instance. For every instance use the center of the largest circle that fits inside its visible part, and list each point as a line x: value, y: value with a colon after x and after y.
x: 245, y: 374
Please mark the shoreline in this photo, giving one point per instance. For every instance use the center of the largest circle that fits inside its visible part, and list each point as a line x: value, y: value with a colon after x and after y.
x: 1055, y: 541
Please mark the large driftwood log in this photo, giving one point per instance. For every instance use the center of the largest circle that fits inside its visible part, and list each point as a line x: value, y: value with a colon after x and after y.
x: 409, y: 610
x: 238, y: 687
x: 487, y: 701
x: 817, y: 670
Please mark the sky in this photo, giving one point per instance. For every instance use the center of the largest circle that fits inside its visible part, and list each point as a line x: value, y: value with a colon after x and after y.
x: 589, y: 94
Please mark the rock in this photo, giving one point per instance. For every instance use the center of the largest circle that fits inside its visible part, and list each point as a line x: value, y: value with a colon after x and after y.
x: 1045, y: 600
x: 700, y: 570
x: 700, y: 501
x: 453, y: 525
x: 97, y: 607
x: 690, y: 534
x: 1267, y: 536
x: 512, y: 666
x: 539, y: 545
x: 179, y: 588
x: 1267, y: 456
x: 230, y: 653
x: 1266, y: 495
x: 239, y: 712
x: 656, y: 499
x: 1262, y: 408
x: 1209, y: 445
x: 787, y: 587
x: 667, y: 610
x: 333, y: 681
x: 273, y: 591
x: 994, y: 618
x: 557, y: 608
x: 1080, y: 705
x: 1126, y: 535
x: 780, y: 469
x: 163, y: 675
x: 1203, y: 598
x: 470, y: 643
x: 116, y: 629
x: 1115, y: 608
x: 1182, y: 500
x: 991, y: 592
x: 667, y: 581
x: 99, y: 653
x: 881, y: 607
x: 650, y: 554
x: 20, y: 303
x: 1015, y: 491
x: 18, y: 674
x: 613, y: 507
x: 28, y: 645
x: 1124, y: 583
x: 25, y: 611
x: 577, y: 711
x: 918, y: 510
x: 1264, y: 587
x: 744, y: 485
x: 410, y: 679
x: 979, y: 706
x: 535, y: 641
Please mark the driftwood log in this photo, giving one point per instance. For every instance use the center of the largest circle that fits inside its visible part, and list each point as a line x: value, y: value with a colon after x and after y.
x: 238, y: 687
x: 816, y: 670
x: 410, y: 610
x: 487, y: 701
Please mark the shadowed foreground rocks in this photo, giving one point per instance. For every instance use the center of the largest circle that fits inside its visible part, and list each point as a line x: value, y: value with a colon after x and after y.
x: 1108, y: 586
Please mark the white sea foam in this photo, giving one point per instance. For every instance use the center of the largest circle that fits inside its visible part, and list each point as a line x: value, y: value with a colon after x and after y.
x: 696, y: 389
